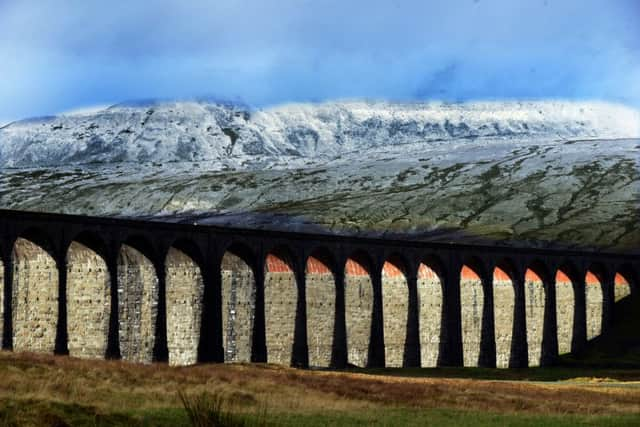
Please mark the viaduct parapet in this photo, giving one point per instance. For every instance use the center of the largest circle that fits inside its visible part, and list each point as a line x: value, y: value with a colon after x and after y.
x: 148, y: 291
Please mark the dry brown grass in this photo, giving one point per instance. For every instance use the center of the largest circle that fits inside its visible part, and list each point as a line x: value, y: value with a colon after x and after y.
x: 118, y: 386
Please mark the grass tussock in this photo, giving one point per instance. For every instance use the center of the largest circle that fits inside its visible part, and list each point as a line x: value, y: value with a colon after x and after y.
x: 219, y: 410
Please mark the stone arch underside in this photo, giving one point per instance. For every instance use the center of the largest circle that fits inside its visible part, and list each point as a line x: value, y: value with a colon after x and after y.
x: 280, y: 306
x: 238, y: 307
x: 358, y: 290
x: 565, y: 302
x: 88, y: 302
x: 395, y: 311
x: 321, y: 308
x: 504, y: 302
x: 137, y: 305
x: 430, y: 315
x: 184, y: 293
x: 472, y: 304
x: 35, y: 298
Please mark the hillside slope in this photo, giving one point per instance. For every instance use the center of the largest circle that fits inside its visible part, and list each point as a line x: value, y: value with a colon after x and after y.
x: 539, y: 173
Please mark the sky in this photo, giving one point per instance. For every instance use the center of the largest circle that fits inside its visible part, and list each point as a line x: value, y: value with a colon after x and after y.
x: 64, y: 55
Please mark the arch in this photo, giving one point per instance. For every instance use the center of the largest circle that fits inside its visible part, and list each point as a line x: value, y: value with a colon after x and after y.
x: 504, y: 306
x: 34, y: 293
x: 280, y: 305
x: 92, y: 241
x: 594, y: 298
x: 88, y: 297
x: 565, y: 306
x: 622, y: 286
x: 184, y: 296
x: 358, y: 291
x: 238, y: 303
x: 535, y: 301
x: 430, y: 306
x: 472, y: 305
x: 395, y: 309
x: 138, y: 300
x: 629, y: 276
x: 321, y: 306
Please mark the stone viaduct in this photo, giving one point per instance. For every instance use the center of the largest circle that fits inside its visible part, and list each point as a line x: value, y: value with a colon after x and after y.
x: 185, y: 293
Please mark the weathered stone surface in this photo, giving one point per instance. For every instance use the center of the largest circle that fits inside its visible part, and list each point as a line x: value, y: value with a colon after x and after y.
x: 35, y: 298
x: 395, y: 309
x: 280, y: 306
x: 138, y: 305
x: 238, y: 308
x: 430, y: 315
x: 185, y: 289
x: 534, y: 297
x: 593, y: 295
x: 565, y: 301
x: 88, y: 302
x: 504, y: 300
x: 321, y: 311
x: 472, y: 301
x: 358, y: 293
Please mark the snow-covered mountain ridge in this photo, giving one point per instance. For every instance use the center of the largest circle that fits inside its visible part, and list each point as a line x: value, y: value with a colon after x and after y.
x: 534, y: 173
x: 201, y: 131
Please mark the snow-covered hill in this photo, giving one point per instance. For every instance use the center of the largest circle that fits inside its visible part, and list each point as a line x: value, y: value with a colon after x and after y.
x: 531, y: 172
x: 200, y: 131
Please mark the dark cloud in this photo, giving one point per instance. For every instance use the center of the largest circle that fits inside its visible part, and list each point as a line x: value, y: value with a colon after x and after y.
x: 60, y: 54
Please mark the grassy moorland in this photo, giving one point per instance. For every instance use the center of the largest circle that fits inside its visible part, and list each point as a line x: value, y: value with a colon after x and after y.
x: 601, y: 388
x: 58, y: 391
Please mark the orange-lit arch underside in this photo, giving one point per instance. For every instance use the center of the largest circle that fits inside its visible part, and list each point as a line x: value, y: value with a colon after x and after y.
x: 590, y: 279
x: 354, y: 268
x: 277, y: 265
x: 425, y: 272
x: 620, y: 280
x: 468, y: 274
x: 390, y: 270
x: 315, y: 266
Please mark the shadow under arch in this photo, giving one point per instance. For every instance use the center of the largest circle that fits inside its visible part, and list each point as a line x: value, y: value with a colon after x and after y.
x: 183, y: 272
x: 281, y: 306
x: 320, y: 297
x: 472, y: 298
x: 395, y: 310
x: 238, y: 285
x: 138, y: 301
x: 92, y: 241
x: 35, y: 293
x: 358, y: 293
x: 432, y: 328
x: 38, y: 237
x: 88, y: 296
